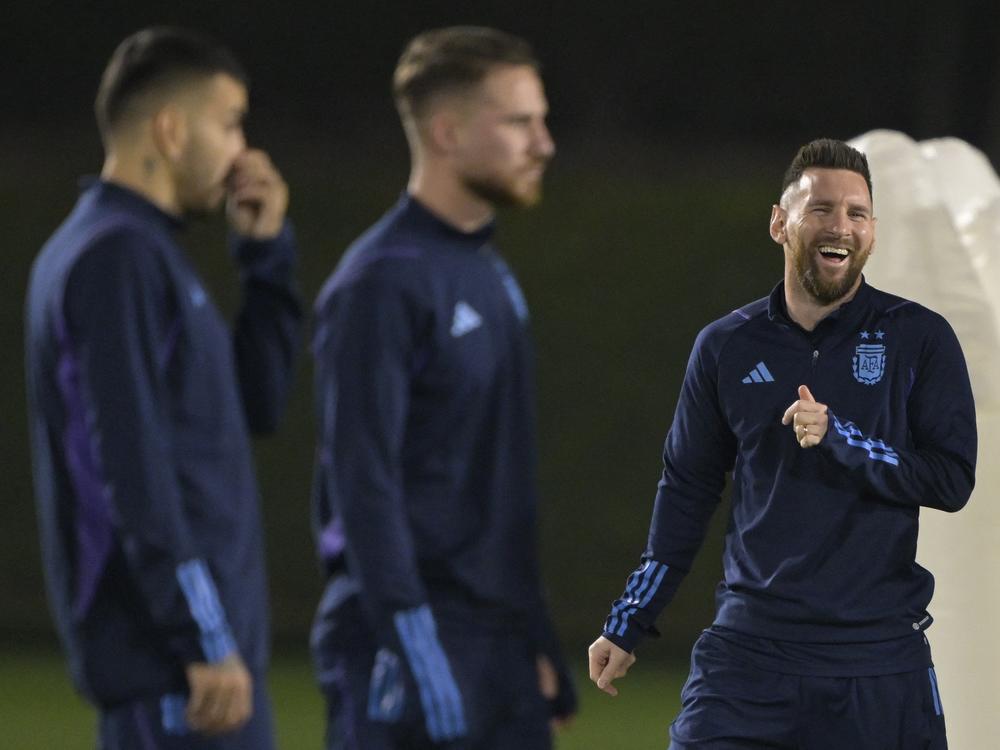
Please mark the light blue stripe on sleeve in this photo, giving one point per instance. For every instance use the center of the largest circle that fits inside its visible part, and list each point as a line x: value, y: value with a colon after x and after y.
x: 877, y: 449
x: 203, y: 600
x: 438, y: 666
x: 431, y: 697
x: 636, y: 583
x: 662, y: 571
x: 640, y: 589
x: 172, y: 713
x: 439, y: 694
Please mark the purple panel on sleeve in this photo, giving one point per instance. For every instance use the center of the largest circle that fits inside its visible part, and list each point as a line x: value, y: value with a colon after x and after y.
x: 331, y: 540
x: 92, y: 519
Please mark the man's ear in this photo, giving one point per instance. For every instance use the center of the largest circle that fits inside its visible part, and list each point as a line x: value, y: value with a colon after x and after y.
x: 170, y: 132
x: 442, y: 131
x: 779, y: 224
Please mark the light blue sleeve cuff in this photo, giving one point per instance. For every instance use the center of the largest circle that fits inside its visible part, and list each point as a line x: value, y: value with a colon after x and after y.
x: 203, y: 600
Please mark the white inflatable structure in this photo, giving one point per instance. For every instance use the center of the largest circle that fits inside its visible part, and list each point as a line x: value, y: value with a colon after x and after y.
x: 938, y: 243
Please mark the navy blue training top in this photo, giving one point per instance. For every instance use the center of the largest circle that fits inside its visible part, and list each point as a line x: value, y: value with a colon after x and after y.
x: 821, y: 543
x: 140, y: 400
x: 425, y: 487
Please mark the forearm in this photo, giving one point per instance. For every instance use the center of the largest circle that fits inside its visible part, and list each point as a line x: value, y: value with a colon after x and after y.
x: 928, y: 477
x: 679, y: 525
x: 268, y: 326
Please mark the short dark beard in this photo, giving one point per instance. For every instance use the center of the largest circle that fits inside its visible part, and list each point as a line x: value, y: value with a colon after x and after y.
x: 498, y: 194
x: 823, y: 292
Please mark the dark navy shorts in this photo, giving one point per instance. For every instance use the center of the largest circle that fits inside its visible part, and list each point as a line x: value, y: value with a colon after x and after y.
x: 158, y: 724
x: 727, y: 703
x: 495, y: 672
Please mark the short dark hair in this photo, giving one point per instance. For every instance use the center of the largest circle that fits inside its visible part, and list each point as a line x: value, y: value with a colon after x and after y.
x: 155, y: 59
x: 827, y: 153
x: 453, y: 60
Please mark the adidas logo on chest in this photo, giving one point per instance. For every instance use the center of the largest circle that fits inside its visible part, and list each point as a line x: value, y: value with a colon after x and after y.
x: 759, y: 374
x: 465, y: 319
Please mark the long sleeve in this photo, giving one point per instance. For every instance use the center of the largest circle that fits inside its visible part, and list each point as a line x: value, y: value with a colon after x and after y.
x: 120, y: 314
x: 546, y: 643
x: 699, y: 450
x: 268, y: 326
x: 365, y: 347
x: 938, y: 471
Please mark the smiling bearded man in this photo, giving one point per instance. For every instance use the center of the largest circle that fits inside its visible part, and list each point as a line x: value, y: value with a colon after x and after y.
x: 818, y: 640
x: 827, y: 255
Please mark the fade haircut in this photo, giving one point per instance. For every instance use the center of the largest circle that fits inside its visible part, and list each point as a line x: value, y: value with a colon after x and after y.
x: 157, y: 60
x: 827, y: 153
x: 452, y: 60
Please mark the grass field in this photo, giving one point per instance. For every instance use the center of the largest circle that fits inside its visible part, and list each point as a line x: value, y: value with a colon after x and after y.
x: 40, y: 711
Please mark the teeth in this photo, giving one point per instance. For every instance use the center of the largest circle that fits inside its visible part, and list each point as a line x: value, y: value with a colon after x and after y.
x: 829, y: 250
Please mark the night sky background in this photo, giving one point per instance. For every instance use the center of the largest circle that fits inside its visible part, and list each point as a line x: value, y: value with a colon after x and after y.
x: 674, y: 123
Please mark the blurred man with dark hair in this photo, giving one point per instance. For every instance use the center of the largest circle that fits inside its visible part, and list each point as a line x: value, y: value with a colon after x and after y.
x: 141, y: 399
x: 433, y: 629
x: 818, y: 640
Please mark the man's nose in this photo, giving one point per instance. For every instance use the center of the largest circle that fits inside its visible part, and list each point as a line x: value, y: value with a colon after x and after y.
x: 839, y: 223
x: 542, y: 142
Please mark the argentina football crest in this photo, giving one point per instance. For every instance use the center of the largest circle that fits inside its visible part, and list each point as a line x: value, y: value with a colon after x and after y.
x: 869, y: 359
